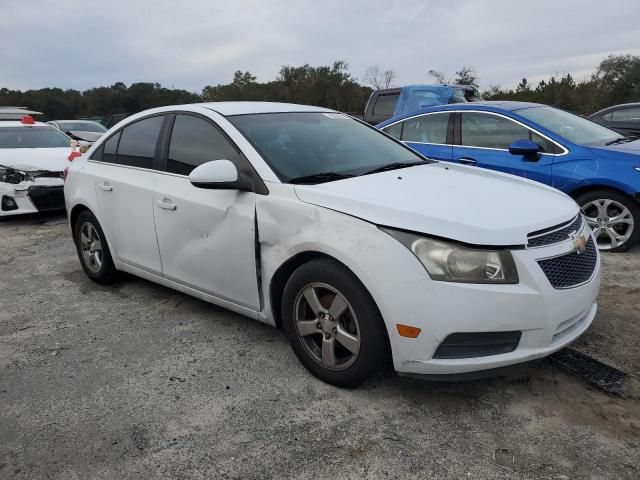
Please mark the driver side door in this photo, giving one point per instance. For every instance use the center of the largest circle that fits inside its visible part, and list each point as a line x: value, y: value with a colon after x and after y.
x: 483, y: 139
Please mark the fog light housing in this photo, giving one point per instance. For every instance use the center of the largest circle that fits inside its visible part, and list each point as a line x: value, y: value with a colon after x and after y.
x: 8, y: 204
x: 478, y: 344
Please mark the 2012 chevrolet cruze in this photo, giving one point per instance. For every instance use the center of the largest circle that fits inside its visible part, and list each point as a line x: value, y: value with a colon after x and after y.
x: 360, y: 248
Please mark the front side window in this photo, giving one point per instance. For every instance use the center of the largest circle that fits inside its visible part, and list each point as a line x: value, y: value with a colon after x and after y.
x: 138, y: 142
x: 426, y: 128
x: 302, y: 144
x: 32, y: 137
x: 484, y: 130
x: 567, y: 125
x: 195, y: 141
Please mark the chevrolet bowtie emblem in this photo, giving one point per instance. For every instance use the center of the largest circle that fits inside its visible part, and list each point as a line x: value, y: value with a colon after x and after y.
x: 579, y: 244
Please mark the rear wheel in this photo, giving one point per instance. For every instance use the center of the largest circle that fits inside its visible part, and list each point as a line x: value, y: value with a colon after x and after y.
x: 333, y: 324
x: 613, y: 217
x: 93, y: 250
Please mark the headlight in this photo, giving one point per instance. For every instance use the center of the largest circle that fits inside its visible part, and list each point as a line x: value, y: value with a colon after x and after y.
x: 451, y: 262
x: 9, y: 175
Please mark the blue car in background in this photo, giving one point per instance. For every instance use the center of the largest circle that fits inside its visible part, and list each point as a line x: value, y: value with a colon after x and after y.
x: 597, y: 166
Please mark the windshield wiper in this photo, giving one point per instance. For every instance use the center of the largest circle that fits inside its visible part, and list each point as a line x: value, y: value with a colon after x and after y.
x: 620, y: 140
x: 320, y: 177
x: 394, y: 166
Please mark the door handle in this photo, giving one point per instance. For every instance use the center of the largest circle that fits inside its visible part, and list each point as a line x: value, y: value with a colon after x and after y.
x: 106, y: 187
x: 166, y: 205
x: 467, y: 161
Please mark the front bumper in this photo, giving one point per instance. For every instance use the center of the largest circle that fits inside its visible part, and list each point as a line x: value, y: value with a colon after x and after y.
x: 32, y: 197
x: 548, y: 318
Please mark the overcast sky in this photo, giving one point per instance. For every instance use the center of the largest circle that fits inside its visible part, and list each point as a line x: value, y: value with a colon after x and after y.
x: 192, y: 43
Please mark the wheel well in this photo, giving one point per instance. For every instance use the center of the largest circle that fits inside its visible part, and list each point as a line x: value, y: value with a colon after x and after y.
x: 591, y: 188
x: 279, y: 279
x: 75, y: 212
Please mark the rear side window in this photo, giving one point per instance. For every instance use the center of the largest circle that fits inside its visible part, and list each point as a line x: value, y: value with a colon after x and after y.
x: 138, y: 142
x: 426, y: 128
x: 195, y: 141
x: 385, y: 105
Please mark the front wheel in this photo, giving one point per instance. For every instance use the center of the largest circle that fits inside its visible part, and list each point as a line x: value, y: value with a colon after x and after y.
x: 613, y: 217
x: 333, y: 324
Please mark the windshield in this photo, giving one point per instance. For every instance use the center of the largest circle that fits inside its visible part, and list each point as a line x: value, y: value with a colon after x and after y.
x: 302, y: 144
x: 82, y: 127
x: 564, y: 124
x: 32, y: 137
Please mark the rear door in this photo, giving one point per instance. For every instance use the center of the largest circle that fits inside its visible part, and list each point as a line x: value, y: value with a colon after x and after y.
x: 206, y: 237
x: 482, y: 139
x: 124, y: 182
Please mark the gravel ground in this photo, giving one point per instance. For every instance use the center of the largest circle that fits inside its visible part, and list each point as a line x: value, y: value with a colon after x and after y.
x: 139, y: 381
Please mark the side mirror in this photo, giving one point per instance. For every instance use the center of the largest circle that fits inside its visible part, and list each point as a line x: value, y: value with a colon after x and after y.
x: 218, y: 174
x: 526, y: 148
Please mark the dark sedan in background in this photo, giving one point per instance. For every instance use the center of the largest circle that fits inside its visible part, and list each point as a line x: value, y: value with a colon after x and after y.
x: 624, y: 118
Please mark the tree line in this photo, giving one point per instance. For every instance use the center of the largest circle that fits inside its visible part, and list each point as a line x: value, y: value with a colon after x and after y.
x: 615, y: 80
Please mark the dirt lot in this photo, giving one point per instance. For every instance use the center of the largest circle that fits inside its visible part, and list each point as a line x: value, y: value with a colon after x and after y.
x: 139, y: 381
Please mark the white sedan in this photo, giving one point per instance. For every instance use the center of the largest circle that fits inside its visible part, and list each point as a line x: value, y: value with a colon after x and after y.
x: 33, y: 157
x: 359, y: 248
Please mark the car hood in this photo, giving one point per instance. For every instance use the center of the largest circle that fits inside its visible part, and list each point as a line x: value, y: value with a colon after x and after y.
x: 33, y: 159
x: 466, y: 204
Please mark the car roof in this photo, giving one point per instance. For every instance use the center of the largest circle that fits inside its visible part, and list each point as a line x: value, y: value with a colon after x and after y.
x: 245, y: 108
x: 485, y: 105
x: 620, y: 106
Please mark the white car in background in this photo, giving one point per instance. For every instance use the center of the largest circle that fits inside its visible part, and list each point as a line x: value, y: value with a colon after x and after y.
x: 357, y: 246
x: 82, y: 130
x: 33, y: 157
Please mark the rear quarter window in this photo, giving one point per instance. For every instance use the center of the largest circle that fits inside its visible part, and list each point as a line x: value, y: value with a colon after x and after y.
x: 138, y: 141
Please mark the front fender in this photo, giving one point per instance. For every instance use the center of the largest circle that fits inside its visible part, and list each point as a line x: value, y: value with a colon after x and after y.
x: 288, y: 227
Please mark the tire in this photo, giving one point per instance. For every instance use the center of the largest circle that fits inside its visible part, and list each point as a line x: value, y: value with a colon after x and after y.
x: 600, y: 206
x: 95, y: 258
x: 345, y: 311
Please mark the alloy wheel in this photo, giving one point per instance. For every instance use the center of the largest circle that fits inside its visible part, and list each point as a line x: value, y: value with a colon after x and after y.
x: 91, y: 247
x: 612, y: 223
x: 327, y: 326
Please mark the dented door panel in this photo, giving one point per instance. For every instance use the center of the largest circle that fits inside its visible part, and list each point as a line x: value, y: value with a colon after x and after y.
x: 207, y: 239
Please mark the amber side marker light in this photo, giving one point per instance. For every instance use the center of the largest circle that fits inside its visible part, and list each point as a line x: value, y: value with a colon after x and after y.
x: 407, y: 330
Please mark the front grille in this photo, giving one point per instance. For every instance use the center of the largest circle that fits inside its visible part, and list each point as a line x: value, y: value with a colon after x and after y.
x: 557, y: 234
x: 47, y: 198
x: 572, y: 269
